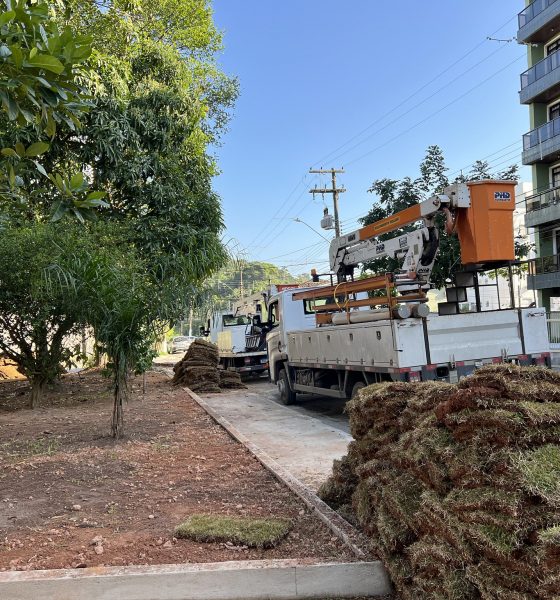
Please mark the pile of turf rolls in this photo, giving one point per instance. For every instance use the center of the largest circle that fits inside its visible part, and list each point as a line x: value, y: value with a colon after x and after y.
x: 230, y: 380
x: 458, y: 486
x: 198, y: 370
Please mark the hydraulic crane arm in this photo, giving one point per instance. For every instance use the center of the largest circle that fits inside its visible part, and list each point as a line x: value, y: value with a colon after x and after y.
x: 418, y: 248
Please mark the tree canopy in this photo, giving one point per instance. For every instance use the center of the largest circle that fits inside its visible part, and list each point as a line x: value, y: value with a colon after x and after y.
x: 138, y: 106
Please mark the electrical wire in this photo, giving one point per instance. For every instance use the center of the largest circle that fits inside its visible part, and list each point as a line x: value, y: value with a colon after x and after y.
x: 459, y: 171
x: 433, y: 114
x: 302, y: 181
x: 414, y: 94
x: 294, y: 251
x: 415, y: 107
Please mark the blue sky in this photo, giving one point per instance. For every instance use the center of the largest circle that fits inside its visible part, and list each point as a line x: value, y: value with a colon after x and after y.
x: 366, y: 85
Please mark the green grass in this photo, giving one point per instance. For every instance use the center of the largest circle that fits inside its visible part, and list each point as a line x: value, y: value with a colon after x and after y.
x: 550, y: 535
x: 540, y: 472
x: 16, y: 449
x: 255, y: 533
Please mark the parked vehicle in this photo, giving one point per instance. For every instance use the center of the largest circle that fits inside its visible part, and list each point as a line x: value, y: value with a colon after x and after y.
x: 181, y: 343
x: 240, y: 336
x: 335, y: 339
x: 240, y: 333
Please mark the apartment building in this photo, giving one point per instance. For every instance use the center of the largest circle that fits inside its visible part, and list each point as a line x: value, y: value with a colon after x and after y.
x: 539, y: 30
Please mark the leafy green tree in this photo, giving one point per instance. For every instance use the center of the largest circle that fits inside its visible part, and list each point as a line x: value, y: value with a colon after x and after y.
x: 433, y: 176
x: 157, y: 100
x: 41, y: 289
x: 41, y: 90
x: 394, y: 196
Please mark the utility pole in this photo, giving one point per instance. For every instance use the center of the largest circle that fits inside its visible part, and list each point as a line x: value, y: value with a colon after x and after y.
x: 334, y: 191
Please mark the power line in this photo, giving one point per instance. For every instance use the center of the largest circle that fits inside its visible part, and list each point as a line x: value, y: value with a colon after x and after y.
x: 295, y: 251
x: 302, y: 181
x: 459, y: 171
x: 414, y: 94
x: 414, y: 108
x: 290, y: 222
x: 280, y: 220
x: 422, y: 121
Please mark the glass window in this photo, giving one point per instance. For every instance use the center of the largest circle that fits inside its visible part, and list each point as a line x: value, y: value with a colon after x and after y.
x: 551, y: 48
x: 554, y: 111
x: 274, y: 313
x: 555, y: 176
x: 231, y: 320
x: 309, y: 305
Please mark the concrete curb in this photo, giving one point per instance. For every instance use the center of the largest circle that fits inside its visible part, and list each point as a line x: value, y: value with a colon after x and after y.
x: 357, y: 542
x: 236, y: 580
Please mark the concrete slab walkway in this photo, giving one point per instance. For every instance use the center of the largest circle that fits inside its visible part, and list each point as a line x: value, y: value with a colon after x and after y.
x: 305, y: 446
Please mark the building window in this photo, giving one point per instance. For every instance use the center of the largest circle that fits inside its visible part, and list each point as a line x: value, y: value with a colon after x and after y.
x: 555, y: 176
x: 551, y: 48
x: 554, y: 111
x: 556, y: 241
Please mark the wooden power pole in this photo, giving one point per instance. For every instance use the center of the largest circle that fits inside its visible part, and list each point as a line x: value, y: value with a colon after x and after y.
x: 334, y: 191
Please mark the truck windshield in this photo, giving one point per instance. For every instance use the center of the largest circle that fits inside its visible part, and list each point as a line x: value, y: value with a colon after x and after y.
x: 231, y: 320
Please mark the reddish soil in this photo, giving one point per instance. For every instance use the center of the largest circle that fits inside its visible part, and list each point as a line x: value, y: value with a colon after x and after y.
x: 64, y: 482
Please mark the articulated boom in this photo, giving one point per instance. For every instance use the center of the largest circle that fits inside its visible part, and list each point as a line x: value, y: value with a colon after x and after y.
x: 417, y: 249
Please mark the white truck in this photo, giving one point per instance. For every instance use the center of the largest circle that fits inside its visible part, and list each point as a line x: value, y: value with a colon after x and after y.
x: 240, y: 336
x: 336, y: 339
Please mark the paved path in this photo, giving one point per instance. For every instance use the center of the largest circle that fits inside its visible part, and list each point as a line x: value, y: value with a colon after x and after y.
x: 304, y: 445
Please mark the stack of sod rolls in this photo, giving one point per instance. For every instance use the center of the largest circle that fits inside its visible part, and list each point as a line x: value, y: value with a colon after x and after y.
x: 459, y: 485
x: 198, y: 370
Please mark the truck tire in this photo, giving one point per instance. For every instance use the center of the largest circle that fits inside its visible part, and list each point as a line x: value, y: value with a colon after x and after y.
x: 287, y: 395
x: 359, y: 385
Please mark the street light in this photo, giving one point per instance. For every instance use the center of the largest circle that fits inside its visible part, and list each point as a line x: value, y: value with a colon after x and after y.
x: 298, y: 220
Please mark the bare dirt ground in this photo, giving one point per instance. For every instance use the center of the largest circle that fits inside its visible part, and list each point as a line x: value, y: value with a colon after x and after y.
x: 71, y: 496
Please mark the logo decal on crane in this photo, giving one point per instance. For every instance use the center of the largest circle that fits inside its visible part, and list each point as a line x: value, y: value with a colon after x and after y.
x: 502, y: 196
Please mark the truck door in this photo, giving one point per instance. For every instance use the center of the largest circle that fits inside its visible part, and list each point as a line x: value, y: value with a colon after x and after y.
x: 274, y: 338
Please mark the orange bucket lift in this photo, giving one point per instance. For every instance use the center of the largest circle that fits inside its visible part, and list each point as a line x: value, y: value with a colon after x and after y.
x: 485, y: 228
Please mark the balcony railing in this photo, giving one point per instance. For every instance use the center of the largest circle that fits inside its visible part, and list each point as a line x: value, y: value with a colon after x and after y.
x: 540, y: 69
x: 544, y: 264
x: 541, y: 134
x: 548, y: 197
x: 531, y: 11
x: 553, y: 324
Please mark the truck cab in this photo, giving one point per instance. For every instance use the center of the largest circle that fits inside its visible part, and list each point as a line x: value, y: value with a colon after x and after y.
x: 284, y: 314
x: 240, y: 334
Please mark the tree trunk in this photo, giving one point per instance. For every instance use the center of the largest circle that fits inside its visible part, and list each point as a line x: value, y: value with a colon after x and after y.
x: 37, y: 387
x: 119, y: 392
x: 117, y: 422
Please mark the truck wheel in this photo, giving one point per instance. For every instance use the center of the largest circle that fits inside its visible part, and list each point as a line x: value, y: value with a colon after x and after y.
x: 287, y: 395
x: 359, y: 385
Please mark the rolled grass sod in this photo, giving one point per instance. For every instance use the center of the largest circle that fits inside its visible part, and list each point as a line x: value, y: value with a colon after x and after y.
x: 458, y: 486
x: 245, y: 531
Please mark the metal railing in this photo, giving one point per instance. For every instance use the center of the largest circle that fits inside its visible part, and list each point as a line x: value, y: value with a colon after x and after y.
x: 544, y: 264
x: 545, y: 132
x: 531, y: 11
x: 548, y: 197
x: 553, y: 325
x: 540, y: 69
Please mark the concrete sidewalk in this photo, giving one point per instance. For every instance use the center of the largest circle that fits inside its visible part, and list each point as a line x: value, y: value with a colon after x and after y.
x: 303, y: 445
